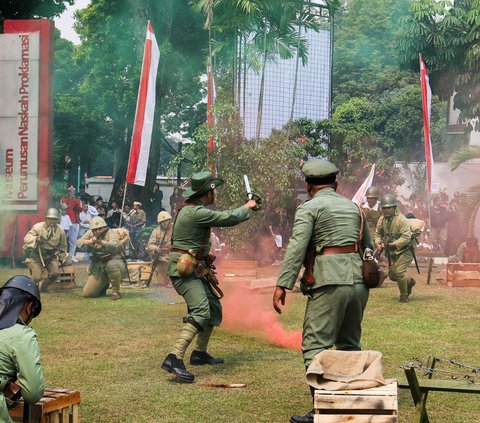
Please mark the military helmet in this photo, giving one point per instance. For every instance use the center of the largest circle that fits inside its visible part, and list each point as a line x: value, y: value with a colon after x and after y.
x: 186, y: 264
x: 24, y: 283
x: 388, y: 200
x: 372, y: 192
x: 162, y: 216
x: 97, y: 222
x: 52, y: 213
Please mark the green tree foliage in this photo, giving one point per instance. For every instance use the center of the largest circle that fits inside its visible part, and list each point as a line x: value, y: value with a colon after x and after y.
x: 447, y: 34
x: 15, y: 9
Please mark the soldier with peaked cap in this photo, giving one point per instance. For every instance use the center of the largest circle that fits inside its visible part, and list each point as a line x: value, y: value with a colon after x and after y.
x: 190, y: 249
x: 107, y: 266
x: 45, y: 246
x: 19, y: 351
x: 326, y: 229
x: 394, y: 236
x: 158, y: 247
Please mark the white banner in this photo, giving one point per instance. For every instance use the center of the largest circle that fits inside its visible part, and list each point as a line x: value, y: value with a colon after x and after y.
x: 19, y: 114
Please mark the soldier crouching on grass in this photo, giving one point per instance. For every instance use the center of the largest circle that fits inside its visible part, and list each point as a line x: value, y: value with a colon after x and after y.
x: 326, y: 234
x: 45, y: 246
x: 107, y: 266
x: 190, y: 270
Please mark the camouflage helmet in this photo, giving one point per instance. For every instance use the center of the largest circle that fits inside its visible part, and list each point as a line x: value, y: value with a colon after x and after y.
x: 162, y: 216
x: 52, y: 213
x: 186, y: 264
x: 372, y: 192
x: 388, y: 200
x: 26, y: 284
x: 97, y: 222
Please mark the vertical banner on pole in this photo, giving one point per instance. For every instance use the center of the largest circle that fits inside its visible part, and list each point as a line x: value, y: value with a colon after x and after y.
x: 432, y: 182
x: 144, y: 114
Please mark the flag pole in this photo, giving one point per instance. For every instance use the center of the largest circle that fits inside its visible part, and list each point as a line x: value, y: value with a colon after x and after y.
x: 126, y: 183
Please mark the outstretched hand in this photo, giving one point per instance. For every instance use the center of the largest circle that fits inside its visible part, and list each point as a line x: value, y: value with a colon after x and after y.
x: 251, y: 204
x: 279, y: 298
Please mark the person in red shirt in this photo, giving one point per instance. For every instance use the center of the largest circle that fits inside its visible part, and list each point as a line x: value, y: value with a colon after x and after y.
x: 74, y: 207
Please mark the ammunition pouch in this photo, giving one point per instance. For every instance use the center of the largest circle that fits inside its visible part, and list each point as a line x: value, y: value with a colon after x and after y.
x: 12, y: 391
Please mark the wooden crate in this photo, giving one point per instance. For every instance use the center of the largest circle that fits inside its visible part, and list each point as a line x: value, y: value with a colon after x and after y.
x: 144, y: 268
x: 463, y: 275
x: 65, y: 280
x: 57, y: 405
x: 374, y: 405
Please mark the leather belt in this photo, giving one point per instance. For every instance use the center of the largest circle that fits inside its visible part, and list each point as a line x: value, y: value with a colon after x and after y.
x: 339, y: 250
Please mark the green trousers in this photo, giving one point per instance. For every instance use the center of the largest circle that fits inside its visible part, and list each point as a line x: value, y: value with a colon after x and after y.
x: 203, y: 307
x: 398, y: 269
x: 333, y: 317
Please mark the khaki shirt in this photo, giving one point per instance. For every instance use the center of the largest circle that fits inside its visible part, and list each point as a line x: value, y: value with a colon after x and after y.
x: 49, y: 241
x: 326, y: 220
x: 396, y: 231
x: 159, y: 238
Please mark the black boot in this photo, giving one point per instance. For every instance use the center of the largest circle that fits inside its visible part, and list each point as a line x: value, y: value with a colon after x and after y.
x: 307, y: 418
x: 199, y: 358
x: 411, y: 284
x: 176, y: 367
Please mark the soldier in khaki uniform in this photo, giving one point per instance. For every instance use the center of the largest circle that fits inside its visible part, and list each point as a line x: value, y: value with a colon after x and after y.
x: 394, y: 236
x: 327, y: 225
x: 190, y: 244
x: 372, y: 209
x: 107, y: 266
x: 158, y: 247
x: 45, y: 246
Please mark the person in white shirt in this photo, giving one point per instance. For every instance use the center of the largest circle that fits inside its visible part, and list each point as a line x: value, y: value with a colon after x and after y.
x: 85, y: 218
x: 65, y: 221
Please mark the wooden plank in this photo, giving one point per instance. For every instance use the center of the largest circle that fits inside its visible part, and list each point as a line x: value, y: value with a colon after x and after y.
x: 54, y: 417
x: 354, y: 418
x: 65, y: 415
x: 465, y: 283
x: 460, y: 386
x: 355, y: 402
x: 75, y: 417
x: 390, y: 389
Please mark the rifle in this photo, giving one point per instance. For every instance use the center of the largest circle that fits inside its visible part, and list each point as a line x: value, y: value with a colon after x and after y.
x: 156, y: 257
x: 414, y: 258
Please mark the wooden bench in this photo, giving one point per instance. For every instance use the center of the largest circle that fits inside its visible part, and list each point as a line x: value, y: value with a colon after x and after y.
x: 374, y: 405
x: 56, y: 405
x: 420, y: 388
x: 463, y: 275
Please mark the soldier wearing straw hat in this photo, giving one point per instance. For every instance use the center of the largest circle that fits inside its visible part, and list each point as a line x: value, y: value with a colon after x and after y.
x: 189, y: 270
x: 327, y: 225
x: 45, y: 246
x: 107, y: 266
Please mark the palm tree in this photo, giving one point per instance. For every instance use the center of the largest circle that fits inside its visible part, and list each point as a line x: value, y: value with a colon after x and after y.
x: 464, y: 154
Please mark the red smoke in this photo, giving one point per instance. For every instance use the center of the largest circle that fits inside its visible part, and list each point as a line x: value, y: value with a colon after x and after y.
x: 251, y: 312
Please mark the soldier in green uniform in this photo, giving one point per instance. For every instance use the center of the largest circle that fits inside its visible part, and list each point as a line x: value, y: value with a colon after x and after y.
x: 45, y: 246
x: 158, y: 247
x: 190, y: 244
x: 326, y: 229
x: 107, y: 266
x: 371, y: 209
x: 19, y: 352
x: 394, y: 236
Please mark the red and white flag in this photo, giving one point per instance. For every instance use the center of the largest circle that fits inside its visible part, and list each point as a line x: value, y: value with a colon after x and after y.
x: 432, y: 182
x: 211, y: 95
x: 143, y: 125
x: 360, y: 194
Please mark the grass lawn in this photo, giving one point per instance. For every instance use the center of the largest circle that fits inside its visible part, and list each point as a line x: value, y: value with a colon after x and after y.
x: 111, y: 352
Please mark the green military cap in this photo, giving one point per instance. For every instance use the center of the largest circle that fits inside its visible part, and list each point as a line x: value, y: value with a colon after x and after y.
x: 200, y: 183
x: 318, y: 168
